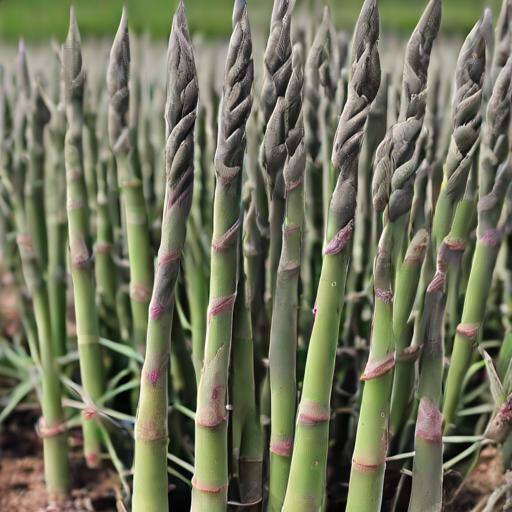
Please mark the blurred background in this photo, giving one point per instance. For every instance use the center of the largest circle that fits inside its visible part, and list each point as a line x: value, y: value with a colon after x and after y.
x: 41, y: 19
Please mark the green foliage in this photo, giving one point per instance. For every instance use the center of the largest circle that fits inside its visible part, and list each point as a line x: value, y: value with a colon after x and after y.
x: 38, y: 19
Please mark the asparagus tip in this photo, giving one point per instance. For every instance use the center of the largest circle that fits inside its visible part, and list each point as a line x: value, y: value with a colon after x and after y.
x: 239, y: 8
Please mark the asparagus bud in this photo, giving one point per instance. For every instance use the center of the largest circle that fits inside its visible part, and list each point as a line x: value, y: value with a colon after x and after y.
x: 395, y: 165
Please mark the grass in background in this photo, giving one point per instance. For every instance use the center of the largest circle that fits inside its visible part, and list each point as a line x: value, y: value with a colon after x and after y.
x: 41, y: 19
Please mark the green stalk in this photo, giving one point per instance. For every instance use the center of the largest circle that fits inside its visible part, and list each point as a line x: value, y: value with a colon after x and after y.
x: 324, y: 42
x: 463, y: 222
x: 312, y: 185
x: 196, y: 281
x: 398, y: 153
x: 80, y: 246
x: 283, y: 332
x: 405, y: 293
x: 123, y: 140
x: 427, y: 482
x: 56, y: 218
x: 37, y: 117
x: 494, y: 180
x: 209, y: 485
x: 306, y: 484
x: 91, y: 152
x: 277, y: 72
x: 52, y: 423
x: 150, y: 487
x: 247, y: 445
x: 106, y: 271
x: 368, y: 462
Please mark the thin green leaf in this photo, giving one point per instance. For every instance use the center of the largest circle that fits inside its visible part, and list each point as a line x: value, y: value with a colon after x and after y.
x: 181, y: 463
x: 133, y: 384
x: 123, y: 349
x: 478, y: 409
x: 466, y: 453
x: 494, y: 381
x: 179, y: 476
x: 116, y: 461
x: 185, y: 411
x: 16, y: 396
x: 114, y: 381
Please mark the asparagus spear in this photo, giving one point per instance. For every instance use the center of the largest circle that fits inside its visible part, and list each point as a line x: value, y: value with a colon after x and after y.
x: 247, y: 439
x: 277, y: 72
x: 80, y: 244
x: 56, y: 213
x: 211, y: 462
x: 51, y: 426
x: 494, y: 180
x: 151, y: 429
x: 283, y: 332
x: 123, y: 142
x: 305, y: 489
x: 467, y: 120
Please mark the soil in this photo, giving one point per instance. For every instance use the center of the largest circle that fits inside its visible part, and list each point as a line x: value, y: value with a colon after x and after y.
x: 22, y: 486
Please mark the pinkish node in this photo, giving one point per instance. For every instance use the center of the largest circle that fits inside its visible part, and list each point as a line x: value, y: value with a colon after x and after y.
x: 153, y: 376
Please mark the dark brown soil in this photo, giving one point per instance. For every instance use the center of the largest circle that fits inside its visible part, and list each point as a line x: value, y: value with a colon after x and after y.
x: 22, y: 486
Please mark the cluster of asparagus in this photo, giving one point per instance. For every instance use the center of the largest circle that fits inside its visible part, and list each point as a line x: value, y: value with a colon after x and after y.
x: 290, y: 291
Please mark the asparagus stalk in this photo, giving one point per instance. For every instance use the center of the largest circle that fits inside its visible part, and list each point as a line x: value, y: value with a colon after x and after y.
x: 405, y: 293
x: 305, y: 489
x: 398, y: 155
x: 283, y: 332
x: 312, y: 183
x: 494, y: 180
x: 106, y: 271
x: 80, y: 246
x: 91, y: 149
x: 324, y: 42
x: 247, y: 439
x: 427, y: 483
x: 51, y: 426
x: 428, y: 460
x: 151, y: 428
x: 37, y: 116
x: 211, y: 465
x: 56, y: 215
x: 123, y: 142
